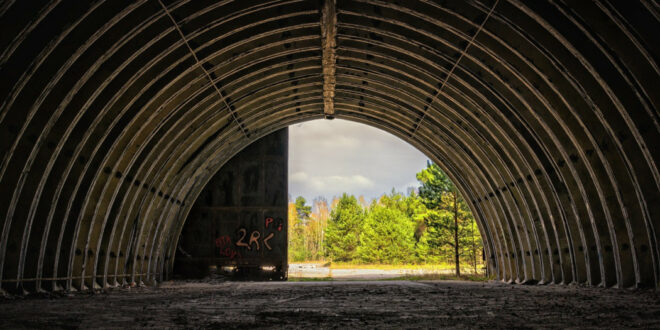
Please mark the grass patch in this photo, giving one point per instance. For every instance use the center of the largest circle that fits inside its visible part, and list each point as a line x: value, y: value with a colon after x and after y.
x: 431, y: 267
x: 424, y: 277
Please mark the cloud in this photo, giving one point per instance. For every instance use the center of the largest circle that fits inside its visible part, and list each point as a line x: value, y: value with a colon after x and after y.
x: 298, y: 177
x: 340, y: 183
x: 327, y: 158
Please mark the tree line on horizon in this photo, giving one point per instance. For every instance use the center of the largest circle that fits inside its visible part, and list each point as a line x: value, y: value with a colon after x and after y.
x: 432, y: 226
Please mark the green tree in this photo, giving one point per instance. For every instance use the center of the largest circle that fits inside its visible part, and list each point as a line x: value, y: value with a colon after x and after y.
x: 298, y: 223
x: 412, y: 206
x: 433, y: 226
x: 302, y: 210
x: 436, y: 240
x: 296, y: 230
x: 448, y: 215
x: 343, y: 231
x: 297, y: 236
x: 470, y: 239
x: 387, y: 236
x: 435, y: 184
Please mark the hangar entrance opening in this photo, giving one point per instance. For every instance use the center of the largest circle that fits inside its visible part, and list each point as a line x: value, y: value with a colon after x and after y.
x: 360, y: 204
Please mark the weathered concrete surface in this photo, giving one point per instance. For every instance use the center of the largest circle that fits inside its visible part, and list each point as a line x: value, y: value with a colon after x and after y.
x: 377, y: 304
x: 239, y: 219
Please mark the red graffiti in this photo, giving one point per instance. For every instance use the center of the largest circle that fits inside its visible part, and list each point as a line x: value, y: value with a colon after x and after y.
x: 231, y: 253
x: 280, y: 223
x: 223, y: 243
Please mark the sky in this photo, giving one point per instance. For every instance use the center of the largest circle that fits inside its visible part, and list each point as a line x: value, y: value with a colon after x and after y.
x: 329, y: 157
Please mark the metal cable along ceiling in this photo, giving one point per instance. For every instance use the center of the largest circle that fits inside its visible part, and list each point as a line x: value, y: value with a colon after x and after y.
x: 114, y: 115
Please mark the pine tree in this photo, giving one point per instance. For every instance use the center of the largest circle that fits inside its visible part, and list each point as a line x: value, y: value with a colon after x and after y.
x: 320, y: 215
x: 343, y: 231
x: 296, y: 235
x: 303, y: 211
x: 441, y: 199
x: 387, y: 236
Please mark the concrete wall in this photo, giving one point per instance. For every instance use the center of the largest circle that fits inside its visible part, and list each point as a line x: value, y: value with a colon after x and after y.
x: 239, y: 218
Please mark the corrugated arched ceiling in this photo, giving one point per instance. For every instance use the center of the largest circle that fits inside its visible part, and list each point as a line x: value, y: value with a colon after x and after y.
x: 114, y: 115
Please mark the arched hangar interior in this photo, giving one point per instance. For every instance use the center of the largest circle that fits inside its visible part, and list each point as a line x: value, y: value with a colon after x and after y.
x: 114, y: 115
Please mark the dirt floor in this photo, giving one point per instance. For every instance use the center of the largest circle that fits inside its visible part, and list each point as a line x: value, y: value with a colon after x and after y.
x: 337, y: 304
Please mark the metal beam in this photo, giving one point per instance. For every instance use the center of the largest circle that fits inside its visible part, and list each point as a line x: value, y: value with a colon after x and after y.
x: 199, y: 64
x: 329, y: 46
x: 451, y: 71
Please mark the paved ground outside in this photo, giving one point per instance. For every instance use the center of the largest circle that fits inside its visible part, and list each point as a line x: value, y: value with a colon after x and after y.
x: 338, y: 304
